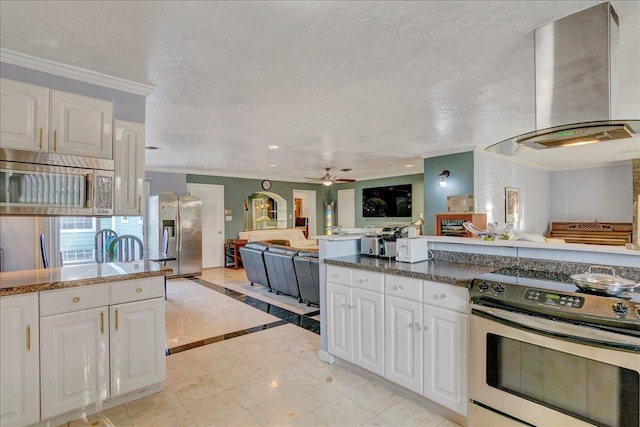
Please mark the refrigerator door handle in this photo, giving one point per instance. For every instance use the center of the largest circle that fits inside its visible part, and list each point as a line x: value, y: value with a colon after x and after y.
x: 178, y: 231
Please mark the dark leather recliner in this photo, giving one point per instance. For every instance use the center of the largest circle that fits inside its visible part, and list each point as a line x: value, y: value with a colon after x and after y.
x: 253, y: 262
x: 308, y: 272
x: 282, y: 274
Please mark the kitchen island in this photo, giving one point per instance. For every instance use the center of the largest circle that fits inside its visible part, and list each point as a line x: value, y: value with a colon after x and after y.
x: 78, y: 340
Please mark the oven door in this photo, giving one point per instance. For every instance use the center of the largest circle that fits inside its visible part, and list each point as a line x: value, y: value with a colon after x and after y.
x: 544, y: 372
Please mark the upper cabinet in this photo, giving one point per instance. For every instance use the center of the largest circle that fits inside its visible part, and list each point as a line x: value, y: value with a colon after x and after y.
x: 35, y: 118
x: 129, y: 162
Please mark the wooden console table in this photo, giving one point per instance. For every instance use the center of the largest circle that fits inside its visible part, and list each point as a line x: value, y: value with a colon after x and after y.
x: 593, y: 233
x: 232, y: 253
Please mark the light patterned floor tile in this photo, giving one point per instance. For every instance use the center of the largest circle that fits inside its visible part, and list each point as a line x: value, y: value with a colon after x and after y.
x: 239, y: 419
x: 197, y: 389
x: 277, y: 411
x: 212, y: 409
x: 152, y: 406
x: 343, y: 412
x: 374, y: 397
x: 313, y: 395
x: 308, y: 420
x: 407, y: 413
x: 178, y: 417
x: 253, y: 392
x: 344, y: 380
x: 235, y: 376
x: 117, y: 416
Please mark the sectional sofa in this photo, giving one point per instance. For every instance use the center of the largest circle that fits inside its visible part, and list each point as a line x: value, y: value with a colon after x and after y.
x: 295, y: 237
x: 283, y: 270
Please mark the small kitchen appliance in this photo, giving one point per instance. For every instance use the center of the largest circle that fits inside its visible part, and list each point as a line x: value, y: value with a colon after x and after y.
x: 389, y: 236
x: 371, y: 245
x: 411, y: 250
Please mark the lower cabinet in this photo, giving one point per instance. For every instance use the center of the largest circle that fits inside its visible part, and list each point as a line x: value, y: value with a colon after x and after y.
x: 137, y: 345
x: 404, y: 343
x: 99, y: 342
x: 19, y: 360
x: 420, y: 327
x: 356, y: 326
x: 74, y: 366
x: 446, y: 355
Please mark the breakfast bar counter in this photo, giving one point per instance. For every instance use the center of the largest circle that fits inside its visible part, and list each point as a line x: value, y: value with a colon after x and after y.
x: 26, y: 281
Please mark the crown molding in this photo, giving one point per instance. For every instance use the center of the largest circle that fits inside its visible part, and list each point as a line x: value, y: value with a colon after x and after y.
x: 76, y: 73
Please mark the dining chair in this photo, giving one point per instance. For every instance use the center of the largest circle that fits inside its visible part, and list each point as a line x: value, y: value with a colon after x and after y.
x: 43, y: 251
x: 103, y: 239
x: 125, y: 248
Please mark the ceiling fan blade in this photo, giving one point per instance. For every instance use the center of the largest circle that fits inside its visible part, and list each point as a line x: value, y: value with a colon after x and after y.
x: 314, y: 178
x: 344, y: 180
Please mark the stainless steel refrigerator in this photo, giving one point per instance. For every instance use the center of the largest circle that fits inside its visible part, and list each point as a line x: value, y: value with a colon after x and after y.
x: 174, y: 232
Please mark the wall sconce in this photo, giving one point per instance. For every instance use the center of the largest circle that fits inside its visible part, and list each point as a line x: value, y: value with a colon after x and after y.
x: 443, y: 178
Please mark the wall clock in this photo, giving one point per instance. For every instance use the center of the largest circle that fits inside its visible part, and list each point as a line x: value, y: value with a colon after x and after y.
x: 266, y: 185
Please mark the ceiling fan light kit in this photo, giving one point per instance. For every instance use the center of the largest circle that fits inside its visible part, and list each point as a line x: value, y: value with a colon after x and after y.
x: 328, y: 179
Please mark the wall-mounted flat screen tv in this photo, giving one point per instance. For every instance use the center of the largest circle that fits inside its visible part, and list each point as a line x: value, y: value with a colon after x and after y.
x: 389, y: 201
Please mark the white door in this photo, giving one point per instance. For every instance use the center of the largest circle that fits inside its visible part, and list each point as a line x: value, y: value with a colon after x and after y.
x: 212, y: 222
x: 308, y: 208
x: 74, y: 360
x: 403, y: 343
x: 137, y: 345
x: 347, y: 208
x: 445, y: 355
x: 19, y: 359
x: 340, y: 337
x: 368, y: 330
x: 24, y: 116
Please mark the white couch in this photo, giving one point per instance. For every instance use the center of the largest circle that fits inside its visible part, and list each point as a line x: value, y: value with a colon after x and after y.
x: 294, y: 236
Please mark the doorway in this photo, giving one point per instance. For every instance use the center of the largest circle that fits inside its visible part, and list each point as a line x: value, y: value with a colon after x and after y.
x: 305, y: 207
x: 212, y: 222
x: 347, y: 208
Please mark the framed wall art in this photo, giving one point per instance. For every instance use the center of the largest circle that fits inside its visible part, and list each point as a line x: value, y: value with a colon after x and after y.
x: 511, y: 204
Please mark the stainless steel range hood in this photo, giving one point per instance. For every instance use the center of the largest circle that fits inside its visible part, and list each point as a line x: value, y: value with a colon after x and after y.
x: 576, y: 83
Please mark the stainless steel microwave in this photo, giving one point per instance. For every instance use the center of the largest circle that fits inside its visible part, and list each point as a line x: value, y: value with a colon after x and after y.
x: 73, y: 186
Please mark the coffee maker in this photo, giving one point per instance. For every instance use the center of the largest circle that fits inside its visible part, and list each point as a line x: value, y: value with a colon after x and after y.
x: 389, y: 236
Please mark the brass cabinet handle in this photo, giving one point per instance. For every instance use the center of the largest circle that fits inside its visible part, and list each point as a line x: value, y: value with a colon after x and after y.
x: 55, y: 140
x: 76, y: 299
x: 102, y: 323
x: 28, y: 337
x: 41, y: 138
x: 116, y: 319
x: 139, y: 205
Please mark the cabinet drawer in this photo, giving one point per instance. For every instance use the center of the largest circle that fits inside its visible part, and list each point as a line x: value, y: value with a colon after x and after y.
x: 403, y: 287
x: 73, y: 299
x: 368, y: 280
x: 339, y: 275
x: 446, y: 296
x: 136, y: 290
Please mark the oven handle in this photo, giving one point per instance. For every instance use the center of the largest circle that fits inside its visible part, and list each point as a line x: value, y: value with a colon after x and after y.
x: 561, y: 330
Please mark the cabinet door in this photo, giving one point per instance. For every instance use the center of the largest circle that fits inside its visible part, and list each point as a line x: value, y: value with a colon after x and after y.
x: 339, y: 327
x: 74, y: 364
x: 81, y: 125
x: 128, y: 152
x: 19, y: 356
x: 404, y: 343
x: 445, y: 350
x: 24, y: 116
x: 137, y: 345
x: 368, y: 330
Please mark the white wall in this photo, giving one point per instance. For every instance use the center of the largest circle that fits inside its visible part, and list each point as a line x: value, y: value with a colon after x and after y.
x: 19, y: 243
x: 492, y: 173
x: 603, y: 193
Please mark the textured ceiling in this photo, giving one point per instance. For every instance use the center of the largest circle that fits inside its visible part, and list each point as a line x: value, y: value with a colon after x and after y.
x: 371, y: 86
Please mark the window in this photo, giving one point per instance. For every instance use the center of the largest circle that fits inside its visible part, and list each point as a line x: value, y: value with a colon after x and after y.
x: 72, y: 224
x: 76, y: 256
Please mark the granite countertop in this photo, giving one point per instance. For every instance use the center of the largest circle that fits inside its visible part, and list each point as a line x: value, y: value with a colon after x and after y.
x: 435, y: 271
x: 20, y: 282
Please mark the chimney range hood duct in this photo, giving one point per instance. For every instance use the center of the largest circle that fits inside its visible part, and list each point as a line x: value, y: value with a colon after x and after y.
x: 576, y: 83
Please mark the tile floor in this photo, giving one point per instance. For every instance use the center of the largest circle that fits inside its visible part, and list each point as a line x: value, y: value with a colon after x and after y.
x: 265, y: 378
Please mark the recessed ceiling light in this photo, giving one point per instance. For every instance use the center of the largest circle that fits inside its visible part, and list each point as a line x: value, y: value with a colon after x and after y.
x: 408, y: 166
x: 272, y: 165
x: 273, y: 147
x: 151, y: 147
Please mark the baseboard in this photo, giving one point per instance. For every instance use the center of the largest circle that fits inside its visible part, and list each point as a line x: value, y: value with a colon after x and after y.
x: 326, y: 357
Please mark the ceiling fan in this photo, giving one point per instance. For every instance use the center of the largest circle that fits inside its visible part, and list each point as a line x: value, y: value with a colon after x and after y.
x: 328, y: 179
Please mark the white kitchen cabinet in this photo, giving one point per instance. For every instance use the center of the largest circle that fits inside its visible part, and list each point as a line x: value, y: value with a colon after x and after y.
x: 19, y: 360
x: 24, y: 116
x: 137, y: 345
x: 404, y: 343
x: 35, y: 118
x: 128, y: 153
x: 74, y: 365
x: 356, y: 326
x: 446, y: 354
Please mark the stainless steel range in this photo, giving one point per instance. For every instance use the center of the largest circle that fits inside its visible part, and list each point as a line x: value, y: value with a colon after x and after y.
x: 542, y: 352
